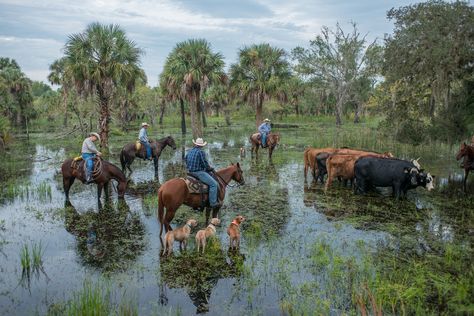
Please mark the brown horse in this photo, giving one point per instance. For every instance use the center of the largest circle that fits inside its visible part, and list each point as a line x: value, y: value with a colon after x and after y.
x: 273, y: 139
x: 467, y: 152
x: 129, y: 153
x: 173, y: 193
x: 108, y: 171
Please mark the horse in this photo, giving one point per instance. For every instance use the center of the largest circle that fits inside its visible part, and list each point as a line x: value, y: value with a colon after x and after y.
x: 107, y: 172
x: 129, y: 152
x: 273, y: 139
x: 174, y: 192
x: 467, y: 152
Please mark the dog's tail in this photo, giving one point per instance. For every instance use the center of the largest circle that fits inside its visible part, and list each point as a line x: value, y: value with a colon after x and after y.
x: 161, y: 213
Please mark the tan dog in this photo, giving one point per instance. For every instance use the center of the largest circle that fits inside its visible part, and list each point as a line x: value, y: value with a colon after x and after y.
x: 180, y: 234
x: 203, y: 234
x: 242, y: 152
x: 234, y: 232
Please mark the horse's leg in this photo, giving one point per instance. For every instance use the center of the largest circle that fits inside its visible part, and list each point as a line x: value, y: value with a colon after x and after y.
x: 270, y: 152
x: 168, y: 218
x: 100, y: 186
x: 466, y: 173
x: 129, y: 163
x: 67, y: 183
x: 208, y: 213
x: 155, y: 164
x: 106, y: 190
x: 215, y: 212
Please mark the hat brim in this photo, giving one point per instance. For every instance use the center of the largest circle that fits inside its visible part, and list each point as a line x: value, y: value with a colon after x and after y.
x: 200, y: 145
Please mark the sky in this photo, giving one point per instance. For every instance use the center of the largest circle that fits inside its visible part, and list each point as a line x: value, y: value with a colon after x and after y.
x: 34, y: 32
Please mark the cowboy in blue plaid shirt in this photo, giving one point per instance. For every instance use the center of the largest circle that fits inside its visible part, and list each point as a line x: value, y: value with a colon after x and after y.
x: 196, y: 163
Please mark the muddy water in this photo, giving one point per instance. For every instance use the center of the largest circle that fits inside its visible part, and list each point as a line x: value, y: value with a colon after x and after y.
x: 119, y: 244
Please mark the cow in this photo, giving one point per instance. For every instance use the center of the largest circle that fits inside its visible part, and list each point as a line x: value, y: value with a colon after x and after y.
x: 341, y: 166
x: 321, y: 165
x: 401, y: 175
x: 310, y: 159
x: 349, y: 151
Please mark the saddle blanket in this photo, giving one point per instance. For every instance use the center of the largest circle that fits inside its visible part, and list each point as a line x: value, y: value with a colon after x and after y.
x: 138, y: 145
x: 195, y: 186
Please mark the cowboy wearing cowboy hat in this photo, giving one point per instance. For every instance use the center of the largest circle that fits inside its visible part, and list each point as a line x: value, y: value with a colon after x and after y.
x: 143, y: 138
x: 264, y: 129
x: 197, y: 164
x: 88, y: 153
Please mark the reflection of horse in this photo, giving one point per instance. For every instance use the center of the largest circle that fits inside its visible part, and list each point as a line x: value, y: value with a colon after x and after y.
x: 129, y: 152
x: 467, y: 152
x: 199, y: 274
x: 272, y: 140
x: 109, y: 239
x: 107, y: 172
x: 173, y: 193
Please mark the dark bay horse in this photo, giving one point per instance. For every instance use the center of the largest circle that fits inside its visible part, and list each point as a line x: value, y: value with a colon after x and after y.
x: 467, y: 152
x: 108, y: 172
x: 129, y: 153
x: 272, y: 140
x: 173, y: 193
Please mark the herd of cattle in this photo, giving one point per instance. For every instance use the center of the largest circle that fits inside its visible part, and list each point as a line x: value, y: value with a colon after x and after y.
x: 368, y: 169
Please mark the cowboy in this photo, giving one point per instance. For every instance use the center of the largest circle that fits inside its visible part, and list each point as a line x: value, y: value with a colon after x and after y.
x: 264, y: 129
x: 88, y: 153
x: 196, y: 163
x: 143, y: 138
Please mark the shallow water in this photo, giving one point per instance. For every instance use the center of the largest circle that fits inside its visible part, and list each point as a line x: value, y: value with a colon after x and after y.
x: 120, y: 245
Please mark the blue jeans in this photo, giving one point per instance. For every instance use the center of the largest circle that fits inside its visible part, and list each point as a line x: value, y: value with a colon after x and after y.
x: 264, y: 139
x: 89, y: 160
x: 207, y: 179
x: 148, y: 149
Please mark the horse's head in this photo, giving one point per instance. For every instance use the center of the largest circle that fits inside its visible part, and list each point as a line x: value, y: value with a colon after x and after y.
x: 121, y: 188
x: 462, y: 151
x: 170, y: 142
x: 274, y: 139
x: 237, y: 175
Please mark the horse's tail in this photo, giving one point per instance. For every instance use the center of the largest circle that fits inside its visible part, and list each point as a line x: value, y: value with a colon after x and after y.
x: 161, y: 213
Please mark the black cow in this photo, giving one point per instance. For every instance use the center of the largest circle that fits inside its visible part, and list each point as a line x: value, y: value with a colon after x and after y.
x: 401, y: 175
x: 321, y: 163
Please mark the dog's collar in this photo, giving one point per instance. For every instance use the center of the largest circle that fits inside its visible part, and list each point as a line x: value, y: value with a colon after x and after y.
x: 235, y: 222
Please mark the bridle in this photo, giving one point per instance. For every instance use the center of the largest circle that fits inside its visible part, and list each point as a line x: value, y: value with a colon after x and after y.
x: 227, y: 183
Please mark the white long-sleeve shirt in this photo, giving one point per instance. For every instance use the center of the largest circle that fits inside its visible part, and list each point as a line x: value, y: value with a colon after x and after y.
x: 88, y: 146
x: 143, y: 136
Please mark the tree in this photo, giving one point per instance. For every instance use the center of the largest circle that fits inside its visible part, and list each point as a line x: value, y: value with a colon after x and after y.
x: 60, y: 75
x: 294, y: 89
x: 192, y: 66
x: 338, y: 59
x: 259, y: 74
x: 432, y: 47
x: 101, y: 59
x: 171, y: 91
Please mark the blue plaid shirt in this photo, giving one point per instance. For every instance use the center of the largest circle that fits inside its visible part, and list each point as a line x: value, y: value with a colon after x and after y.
x: 196, y: 160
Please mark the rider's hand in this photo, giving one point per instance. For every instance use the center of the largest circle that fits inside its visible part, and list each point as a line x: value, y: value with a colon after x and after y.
x: 99, y: 153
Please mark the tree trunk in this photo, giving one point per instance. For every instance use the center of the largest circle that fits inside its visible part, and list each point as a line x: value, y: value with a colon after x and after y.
x: 65, y: 108
x: 358, y: 110
x: 183, y: 117
x: 259, y: 110
x: 195, y: 119
x: 227, y: 116
x: 339, y: 111
x: 162, y: 111
x: 104, y: 119
x: 203, y: 113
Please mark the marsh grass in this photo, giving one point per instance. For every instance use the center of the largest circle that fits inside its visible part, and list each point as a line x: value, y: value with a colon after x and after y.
x: 31, y: 259
x: 150, y: 204
x: 44, y: 192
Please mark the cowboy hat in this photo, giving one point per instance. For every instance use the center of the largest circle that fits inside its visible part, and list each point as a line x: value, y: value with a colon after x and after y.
x: 266, y: 120
x: 96, y: 136
x: 145, y: 124
x: 199, y: 142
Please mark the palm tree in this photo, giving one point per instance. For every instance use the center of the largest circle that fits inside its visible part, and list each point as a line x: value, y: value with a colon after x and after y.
x: 259, y: 74
x: 192, y: 66
x: 171, y: 91
x: 101, y: 59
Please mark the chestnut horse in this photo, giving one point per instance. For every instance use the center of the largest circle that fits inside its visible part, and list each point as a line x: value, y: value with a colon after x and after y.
x: 129, y: 153
x: 272, y: 140
x: 173, y: 193
x: 467, y: 152
x: 108, y: 171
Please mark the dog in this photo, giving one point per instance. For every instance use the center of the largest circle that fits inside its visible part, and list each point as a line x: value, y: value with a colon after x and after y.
x: 180, y: 234
x: 203, y: 234
x: 234, y: 232
x: 242, y: 152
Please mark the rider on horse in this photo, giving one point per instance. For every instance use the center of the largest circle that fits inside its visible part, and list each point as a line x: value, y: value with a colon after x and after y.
x: 143, y: 138
x: 264, y: 129
x: 88, y: 153
x: 197, y: 165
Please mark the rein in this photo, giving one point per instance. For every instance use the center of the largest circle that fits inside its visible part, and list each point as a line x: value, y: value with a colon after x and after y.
x: 227, y: 183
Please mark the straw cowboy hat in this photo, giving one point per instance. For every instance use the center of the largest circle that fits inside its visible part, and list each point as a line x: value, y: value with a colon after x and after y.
x: 145, y: 124
x: 96, y: 135
x: 266, y: 120
x: 199, y: 142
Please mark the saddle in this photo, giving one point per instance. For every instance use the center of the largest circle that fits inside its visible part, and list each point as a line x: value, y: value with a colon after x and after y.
x: 76, y: 161
x: 258, y: 137
x: 138, y: 145
x: 195, y: 186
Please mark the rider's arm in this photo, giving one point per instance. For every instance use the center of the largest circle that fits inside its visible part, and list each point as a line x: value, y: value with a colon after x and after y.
x: 204, y: 161
x: 91, y: 147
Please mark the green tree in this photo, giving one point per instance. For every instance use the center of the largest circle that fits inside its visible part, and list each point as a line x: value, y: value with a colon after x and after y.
x: 100, y: 59
x: 339, y: 59
x: 259, y: 74
x: 172, y: 91
x: 192, y: 66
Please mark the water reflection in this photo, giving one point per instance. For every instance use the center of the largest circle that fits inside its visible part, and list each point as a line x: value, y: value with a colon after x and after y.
x: 109, y: 239
x: 199, y: 274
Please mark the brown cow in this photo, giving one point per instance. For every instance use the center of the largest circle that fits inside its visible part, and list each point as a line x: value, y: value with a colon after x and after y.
x: 341, y: 164
x: 310, y: 159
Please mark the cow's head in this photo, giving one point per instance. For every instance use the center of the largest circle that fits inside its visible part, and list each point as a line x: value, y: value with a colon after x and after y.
x: 412, y: 174
x: 426, y: 180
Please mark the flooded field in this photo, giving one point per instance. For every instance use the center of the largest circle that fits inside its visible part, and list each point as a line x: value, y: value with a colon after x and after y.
x: 302, y: 251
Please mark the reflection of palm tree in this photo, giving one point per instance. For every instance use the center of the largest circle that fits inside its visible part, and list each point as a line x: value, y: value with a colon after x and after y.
x: 109, y: 239
x: 198, y: 274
